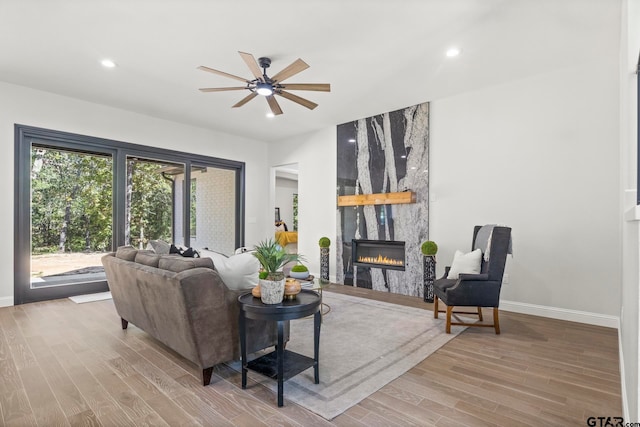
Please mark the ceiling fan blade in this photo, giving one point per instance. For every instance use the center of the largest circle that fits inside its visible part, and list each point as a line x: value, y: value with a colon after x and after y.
x: 253, y: 65
x: 245, y: 100
x: 295, y: 98
x: 320, y: 87
x: 294, y: 68
x: 222, y: 73
x: 273, y: 104
x: 221, y: 89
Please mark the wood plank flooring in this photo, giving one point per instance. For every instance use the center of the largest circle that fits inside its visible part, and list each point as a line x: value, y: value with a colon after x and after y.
x: 71, y: 364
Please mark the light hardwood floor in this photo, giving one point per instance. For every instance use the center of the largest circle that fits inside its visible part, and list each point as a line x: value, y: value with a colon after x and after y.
x: 63, y: 363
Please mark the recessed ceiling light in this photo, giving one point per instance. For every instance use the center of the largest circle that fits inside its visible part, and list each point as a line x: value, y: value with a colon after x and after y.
x: 352, y: 140
x: 453, y: 52
x: 108, y: 63
x: 270, y: 115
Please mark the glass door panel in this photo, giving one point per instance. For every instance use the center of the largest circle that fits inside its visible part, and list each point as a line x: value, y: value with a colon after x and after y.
x: 213, y: 209
x: 150, y: 207
x: 71, y: 216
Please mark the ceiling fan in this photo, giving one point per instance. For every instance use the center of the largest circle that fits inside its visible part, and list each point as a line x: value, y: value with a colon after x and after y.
x: 269, y: 86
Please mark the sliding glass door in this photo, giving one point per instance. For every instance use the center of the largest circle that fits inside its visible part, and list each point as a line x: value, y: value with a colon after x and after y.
x: 71, y: 215
x: 78, y: 198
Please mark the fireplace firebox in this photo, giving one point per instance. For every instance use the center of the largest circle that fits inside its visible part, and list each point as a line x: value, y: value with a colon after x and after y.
x: 378, y: 254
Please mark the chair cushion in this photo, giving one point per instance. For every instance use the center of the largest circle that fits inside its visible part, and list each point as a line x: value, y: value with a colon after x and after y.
x: 468, y: 263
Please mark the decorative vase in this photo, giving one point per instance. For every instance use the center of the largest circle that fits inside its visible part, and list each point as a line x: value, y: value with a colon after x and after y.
x: 271, y: 291
x: 324, y: 264
x: 292, y: 287
x: 429, y: 275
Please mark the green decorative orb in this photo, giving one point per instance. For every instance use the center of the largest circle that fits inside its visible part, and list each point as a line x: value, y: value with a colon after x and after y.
x: 324, y: 242
x: 429, y: 248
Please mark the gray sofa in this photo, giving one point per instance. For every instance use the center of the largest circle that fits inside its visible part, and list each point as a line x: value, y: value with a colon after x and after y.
x: 183, y: 303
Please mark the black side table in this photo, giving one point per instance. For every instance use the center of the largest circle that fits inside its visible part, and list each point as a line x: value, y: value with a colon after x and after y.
x: 280, y: 364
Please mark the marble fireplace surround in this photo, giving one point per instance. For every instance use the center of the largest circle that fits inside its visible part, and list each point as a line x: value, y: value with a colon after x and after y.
x: 378, y: 157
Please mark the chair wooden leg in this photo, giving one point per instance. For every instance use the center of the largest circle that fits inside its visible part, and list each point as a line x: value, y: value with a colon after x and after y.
x: 449, y: 310
x: 435, y: 307
x: 480, y: 314
x: 496, y: 320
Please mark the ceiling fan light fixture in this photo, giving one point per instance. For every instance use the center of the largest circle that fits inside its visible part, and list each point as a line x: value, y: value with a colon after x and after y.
x: 264, y: 89
x: 452, y: 52
x: 107, y: 63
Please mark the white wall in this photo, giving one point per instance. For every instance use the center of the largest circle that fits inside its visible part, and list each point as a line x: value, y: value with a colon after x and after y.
x: 40, y: 109
x: 315, y: 154
x: 629, y: 328
x: 539, y: 155
x: 285, y: 189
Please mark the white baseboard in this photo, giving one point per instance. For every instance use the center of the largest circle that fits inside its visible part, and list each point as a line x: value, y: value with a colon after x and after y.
x: 6, y: 301
x: 562, y: 314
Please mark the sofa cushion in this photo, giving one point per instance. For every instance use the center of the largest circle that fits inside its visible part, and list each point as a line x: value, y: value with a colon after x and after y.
x: 159, y: 246
x: 149, y: 258
x: 176, y: 263
x: 127, y: 253
x: 238, y: 272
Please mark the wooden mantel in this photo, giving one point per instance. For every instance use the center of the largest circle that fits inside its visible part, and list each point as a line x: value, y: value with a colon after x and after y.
x: 377, y: 199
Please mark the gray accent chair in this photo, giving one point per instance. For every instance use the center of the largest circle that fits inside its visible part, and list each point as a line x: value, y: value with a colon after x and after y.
x: 184, y: 304
x: 476, y: 290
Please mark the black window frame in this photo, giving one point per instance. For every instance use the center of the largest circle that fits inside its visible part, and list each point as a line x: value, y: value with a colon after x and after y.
x: 119, y: 150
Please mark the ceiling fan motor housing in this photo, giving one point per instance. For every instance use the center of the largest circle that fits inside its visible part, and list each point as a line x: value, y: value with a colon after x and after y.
x: 264, y: 62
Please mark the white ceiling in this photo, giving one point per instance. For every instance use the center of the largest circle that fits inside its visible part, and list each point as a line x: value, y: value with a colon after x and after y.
x: 377, y: 55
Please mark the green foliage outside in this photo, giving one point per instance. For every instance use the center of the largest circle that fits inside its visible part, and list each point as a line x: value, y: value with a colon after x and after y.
x: 72, y: 202
x: 151, y: 204
x: 295, y: 212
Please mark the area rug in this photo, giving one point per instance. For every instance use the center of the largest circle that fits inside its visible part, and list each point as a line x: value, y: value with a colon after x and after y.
x: 100, y: 296
x: 364, y: 344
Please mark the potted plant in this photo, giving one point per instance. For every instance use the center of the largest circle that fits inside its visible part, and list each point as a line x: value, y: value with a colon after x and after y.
x: 429, y: 250
x: 272, y: 258
x: 299, y: 271
x: 324, y: 244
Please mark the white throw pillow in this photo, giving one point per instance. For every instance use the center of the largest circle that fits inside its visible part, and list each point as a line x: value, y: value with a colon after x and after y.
x: 238, y: 272
x: 469, y: 263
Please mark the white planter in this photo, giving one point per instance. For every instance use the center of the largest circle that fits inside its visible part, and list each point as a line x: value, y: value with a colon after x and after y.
x: 299, y: 274
x: 271, y: 291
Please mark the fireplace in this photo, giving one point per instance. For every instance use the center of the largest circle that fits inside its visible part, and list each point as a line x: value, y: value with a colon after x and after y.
x: 378, y: 253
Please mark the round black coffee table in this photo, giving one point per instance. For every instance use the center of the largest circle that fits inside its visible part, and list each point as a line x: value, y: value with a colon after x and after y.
x: 280, y: 364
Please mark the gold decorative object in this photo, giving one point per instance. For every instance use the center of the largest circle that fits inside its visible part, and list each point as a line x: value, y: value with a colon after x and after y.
x: 256, y: 291
x: 292, y: 288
